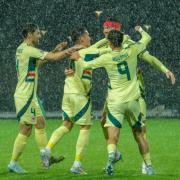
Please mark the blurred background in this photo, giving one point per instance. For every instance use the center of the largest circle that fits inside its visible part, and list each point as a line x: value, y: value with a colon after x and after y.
x: 59, y: 17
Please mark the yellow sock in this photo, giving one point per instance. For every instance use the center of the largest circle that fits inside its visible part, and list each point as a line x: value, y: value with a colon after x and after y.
x: 19, y: 145
x: 111, y: 148
x: 41, y: 138
x: 147, y: 159
x: 57, y: 134
x: 82, y: 141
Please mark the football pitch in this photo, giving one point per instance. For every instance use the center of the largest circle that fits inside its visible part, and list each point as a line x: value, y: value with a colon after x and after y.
x: 163, y: 136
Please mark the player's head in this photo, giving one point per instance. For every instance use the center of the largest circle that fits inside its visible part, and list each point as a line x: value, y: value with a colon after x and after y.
x: 115, y: 38
x: 81, y: 36
x: 32, y: 33
x: 109, y: 24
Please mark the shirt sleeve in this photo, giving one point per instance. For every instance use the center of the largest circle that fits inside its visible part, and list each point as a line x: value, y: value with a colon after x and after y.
x: 96, y: 63
x: 153, y: 61
x: 89, y: 53
x: 140, y: 46
x: 100, y: 43
x: 37, y: 53
x: 145, y: 39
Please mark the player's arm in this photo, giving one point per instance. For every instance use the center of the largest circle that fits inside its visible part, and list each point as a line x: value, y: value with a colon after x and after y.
x: 157, y: 64
x: 55, y: 56
x: 58, y: 48
x: 61, y: 46
x: 100, y: 43
x: 50, y: 56
x: 140, y: 46
x: 146, y: 38
x: 88, y: 54
x: 101, y: 61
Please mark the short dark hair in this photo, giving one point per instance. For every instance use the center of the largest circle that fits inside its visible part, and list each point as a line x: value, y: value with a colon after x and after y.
x: 77, y: 33
x: 115, y: 37
x: 29, y: 28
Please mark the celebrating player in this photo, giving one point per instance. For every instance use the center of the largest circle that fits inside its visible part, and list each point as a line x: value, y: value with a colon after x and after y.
x: 124, y: 91
x: 76, y: 103
x: 113, y: 23
x: 28, y: 107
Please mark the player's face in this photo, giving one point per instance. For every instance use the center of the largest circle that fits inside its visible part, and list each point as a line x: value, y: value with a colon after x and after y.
x: 86, y: 40
x: 36, y: 36
x: 106, y: 30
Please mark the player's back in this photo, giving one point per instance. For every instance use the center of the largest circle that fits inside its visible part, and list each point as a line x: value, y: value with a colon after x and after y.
x: 122, y: 76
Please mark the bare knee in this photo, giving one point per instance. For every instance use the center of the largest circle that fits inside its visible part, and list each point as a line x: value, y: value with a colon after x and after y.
x: 26, y: 129
x: 41, y: 124
x: 137, y: 134
x: 68, y: 124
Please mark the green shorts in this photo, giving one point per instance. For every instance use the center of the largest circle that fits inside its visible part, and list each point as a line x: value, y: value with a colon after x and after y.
x: 28, y: 110
x: 77, y: 108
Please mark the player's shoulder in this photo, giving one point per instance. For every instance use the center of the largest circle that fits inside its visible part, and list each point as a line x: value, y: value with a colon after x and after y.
x: 127, y: 42
x: 107, y: 55
x: 24, y: 48
x: 121, y: 56
x: 21, y: 48
x: 86, y: 51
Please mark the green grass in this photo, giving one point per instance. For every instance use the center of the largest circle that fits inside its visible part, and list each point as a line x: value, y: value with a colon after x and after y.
x: 164, y: 140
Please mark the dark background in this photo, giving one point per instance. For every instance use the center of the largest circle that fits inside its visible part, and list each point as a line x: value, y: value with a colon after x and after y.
x: 59, y: 17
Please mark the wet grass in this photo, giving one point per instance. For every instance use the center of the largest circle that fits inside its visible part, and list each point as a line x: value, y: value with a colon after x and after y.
x: 164, y: 140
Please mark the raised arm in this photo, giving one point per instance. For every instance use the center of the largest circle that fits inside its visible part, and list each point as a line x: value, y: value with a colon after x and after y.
x: 146, y: 38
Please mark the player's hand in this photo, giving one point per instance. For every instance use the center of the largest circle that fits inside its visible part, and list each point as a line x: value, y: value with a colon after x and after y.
x: 171, y: 76
x: 60, y: 46
x: 69, y: 72
x: 138, y: 29
x: 75, y: 55
x: 69, y: 51
x: 78, y: 47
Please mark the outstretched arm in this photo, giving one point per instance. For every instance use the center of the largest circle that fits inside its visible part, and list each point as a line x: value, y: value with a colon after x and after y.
x: 157, y: 64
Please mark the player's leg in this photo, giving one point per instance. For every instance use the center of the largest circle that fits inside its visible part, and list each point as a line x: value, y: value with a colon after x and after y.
x: 81, y: 145
x: 113, y: 133
x: 54, y: 139
x: 59, y: 132
x: 82, y: 118
x: 103, y: 121
x: 19, y: 145
x: 144, y: 150
x: 118, y: 155
x: 40, y: 131
x: 26, y: 117
x: 113, y: 125
x: 143, y: 108
x: 67, y: 107
x: 136, y: 116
